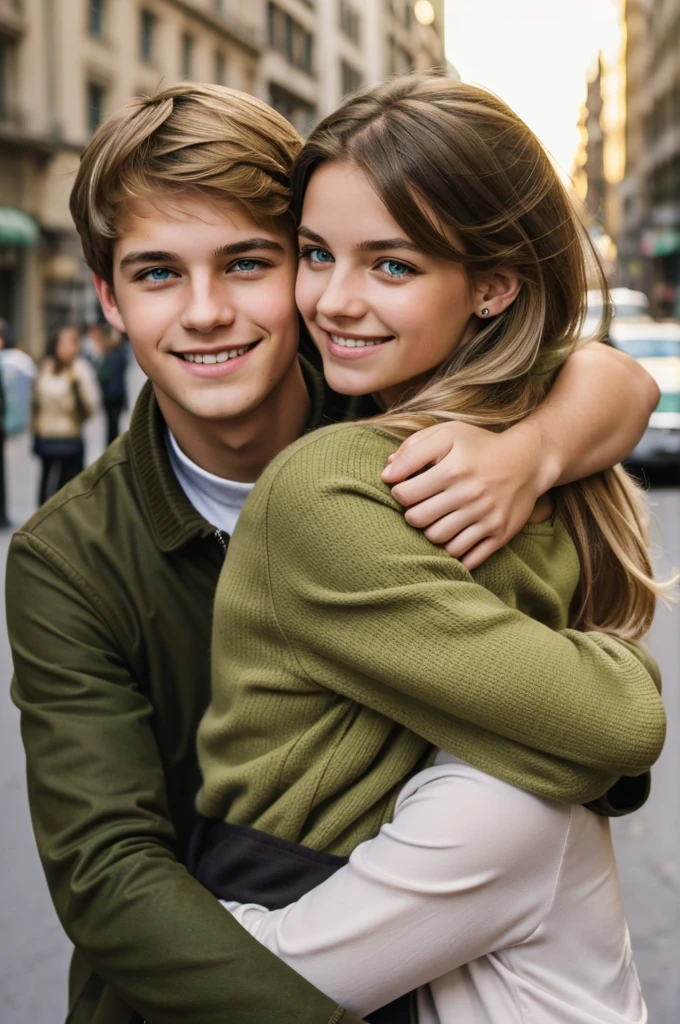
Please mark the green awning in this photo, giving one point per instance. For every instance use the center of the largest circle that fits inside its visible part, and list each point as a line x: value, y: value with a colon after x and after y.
x: 17, y: 228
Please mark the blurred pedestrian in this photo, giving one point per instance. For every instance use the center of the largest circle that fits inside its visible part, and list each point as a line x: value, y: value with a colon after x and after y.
x: 4, y: 340
x: 93, y: 341
x: 112, y: 376
x: 64, y: 397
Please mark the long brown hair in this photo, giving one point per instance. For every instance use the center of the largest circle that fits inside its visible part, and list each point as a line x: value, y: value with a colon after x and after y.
x: 450, y: 160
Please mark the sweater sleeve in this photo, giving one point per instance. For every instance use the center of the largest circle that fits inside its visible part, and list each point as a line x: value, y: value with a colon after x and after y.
x: 371, y: 610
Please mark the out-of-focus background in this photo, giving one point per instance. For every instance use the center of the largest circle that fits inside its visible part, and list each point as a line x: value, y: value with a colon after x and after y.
x: 598, y: 80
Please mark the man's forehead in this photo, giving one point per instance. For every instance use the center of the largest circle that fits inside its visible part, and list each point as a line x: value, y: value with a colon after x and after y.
x: 173, y: 214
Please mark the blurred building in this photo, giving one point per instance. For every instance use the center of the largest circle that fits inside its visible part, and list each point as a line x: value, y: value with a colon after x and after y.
x: 598, y: 166
x: 589, y: 170
x: 319, y: 52
x: 66, y: 64
x: 650, y: 238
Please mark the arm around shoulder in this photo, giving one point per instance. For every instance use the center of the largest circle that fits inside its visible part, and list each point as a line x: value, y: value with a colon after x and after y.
x: 374, y: 611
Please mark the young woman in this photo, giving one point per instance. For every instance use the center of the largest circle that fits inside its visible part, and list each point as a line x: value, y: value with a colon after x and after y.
x: 64, y: 397
x: 443, y: 269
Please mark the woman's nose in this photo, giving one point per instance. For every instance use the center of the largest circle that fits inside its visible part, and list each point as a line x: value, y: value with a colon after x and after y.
x: 342, y: 298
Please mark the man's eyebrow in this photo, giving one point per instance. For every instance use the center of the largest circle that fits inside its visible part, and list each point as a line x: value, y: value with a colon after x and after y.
x: 248, y: 245
x: 370, y: 245
x: 232, y: 249
x: 150, y: 256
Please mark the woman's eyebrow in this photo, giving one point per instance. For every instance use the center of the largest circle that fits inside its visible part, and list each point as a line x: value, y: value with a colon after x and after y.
x: 311, y: 235
x: 379, y: 244
x: 370, y: 245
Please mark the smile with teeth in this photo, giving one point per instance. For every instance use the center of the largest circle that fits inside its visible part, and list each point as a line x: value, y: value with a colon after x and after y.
x: 356, y: 342
x: 216, y: 357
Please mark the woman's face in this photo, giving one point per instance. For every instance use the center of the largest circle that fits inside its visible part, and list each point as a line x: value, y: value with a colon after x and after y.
x: 382, y: 313
x: 68, y: 345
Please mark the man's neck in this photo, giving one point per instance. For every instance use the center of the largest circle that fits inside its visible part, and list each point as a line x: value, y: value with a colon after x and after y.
x: 239, y: 449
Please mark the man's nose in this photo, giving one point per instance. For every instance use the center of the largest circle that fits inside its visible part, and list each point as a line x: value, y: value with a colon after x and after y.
x: 210, y: 304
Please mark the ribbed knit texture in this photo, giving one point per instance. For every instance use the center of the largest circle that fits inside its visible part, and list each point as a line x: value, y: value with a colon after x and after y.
x: 346, y: 646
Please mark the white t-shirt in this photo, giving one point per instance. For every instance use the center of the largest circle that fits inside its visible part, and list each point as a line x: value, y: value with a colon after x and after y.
x: 219, y: 501
x: 498, y: 906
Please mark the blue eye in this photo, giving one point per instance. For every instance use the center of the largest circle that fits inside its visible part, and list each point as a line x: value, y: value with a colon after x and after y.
x: 247, y: 266
x: 157, y: 274
x: 395, y: 268
x: 315, y: 255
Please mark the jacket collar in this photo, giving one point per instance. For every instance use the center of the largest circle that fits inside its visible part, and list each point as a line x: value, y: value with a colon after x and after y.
x: 174, y: 520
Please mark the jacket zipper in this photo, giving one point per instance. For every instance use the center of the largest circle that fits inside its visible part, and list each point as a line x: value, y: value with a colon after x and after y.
x: 220, y: 540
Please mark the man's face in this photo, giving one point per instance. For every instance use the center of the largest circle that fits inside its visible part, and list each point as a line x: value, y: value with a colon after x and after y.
x: 206, y: 297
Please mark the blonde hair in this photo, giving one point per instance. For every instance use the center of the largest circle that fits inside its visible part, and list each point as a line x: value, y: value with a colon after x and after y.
x: 190, y: 139
x: 450, y: 160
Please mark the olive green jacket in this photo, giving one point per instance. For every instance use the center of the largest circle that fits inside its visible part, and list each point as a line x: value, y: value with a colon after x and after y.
x: 110, y: 590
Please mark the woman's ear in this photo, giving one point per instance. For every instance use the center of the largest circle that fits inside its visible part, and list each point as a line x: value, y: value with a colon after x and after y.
x: 107, y: 299
x: 495, y: 293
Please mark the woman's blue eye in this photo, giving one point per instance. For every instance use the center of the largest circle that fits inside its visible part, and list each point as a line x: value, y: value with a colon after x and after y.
x: 158, y: 274
x: 317, y: 255
x: 395, y: 268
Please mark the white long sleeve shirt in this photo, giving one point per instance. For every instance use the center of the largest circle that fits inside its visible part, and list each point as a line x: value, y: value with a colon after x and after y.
x: 500, y: 907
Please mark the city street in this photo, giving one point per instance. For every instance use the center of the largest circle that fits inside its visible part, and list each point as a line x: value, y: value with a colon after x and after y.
x: 34, y: 953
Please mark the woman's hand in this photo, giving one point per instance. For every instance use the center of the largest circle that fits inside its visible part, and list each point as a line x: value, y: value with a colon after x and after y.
x: 470, y: 490
x: 473, y: 490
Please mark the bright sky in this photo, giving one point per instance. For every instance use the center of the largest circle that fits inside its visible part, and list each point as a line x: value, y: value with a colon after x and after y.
x: 535, y: 54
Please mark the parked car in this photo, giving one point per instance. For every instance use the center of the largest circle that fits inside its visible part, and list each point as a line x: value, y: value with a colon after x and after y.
x: 628, y: 305
x: 656, y: 346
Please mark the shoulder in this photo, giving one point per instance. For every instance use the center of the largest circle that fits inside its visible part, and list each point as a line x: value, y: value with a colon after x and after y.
x: 82, y: 506
x: 83, y: 369
x: 345, y: 452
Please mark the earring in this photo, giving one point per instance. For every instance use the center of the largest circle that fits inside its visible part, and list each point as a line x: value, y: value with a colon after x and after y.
x: 485, y: 311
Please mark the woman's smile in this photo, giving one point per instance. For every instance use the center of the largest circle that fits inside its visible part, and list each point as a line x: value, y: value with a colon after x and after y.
x: 353, y: 346
x: 383, y: 313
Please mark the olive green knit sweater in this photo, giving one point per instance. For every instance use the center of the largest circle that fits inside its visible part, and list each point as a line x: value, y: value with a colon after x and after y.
x: 346, y: 646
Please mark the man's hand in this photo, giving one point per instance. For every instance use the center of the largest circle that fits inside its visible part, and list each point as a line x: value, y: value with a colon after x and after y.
x: 470, y: 490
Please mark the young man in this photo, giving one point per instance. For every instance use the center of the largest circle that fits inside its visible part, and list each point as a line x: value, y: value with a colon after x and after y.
x: 181, y: 203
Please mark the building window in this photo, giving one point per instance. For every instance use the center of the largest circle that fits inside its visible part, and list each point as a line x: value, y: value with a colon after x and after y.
x: 96, y: 18
x: 290, y: 39
x: 95, y: 106
x: 220, y: 68
x: 187, y: 54
x: 147, y: 31
x: 351, y: 78
x: 350, y: 21
x: 298, y: 111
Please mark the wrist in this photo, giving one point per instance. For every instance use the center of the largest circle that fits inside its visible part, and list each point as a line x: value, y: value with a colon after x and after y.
x: 543, y: 454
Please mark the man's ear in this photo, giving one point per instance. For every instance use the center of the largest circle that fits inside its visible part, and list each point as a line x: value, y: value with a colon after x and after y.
x: 496, y: 292
x: 107, y: 299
